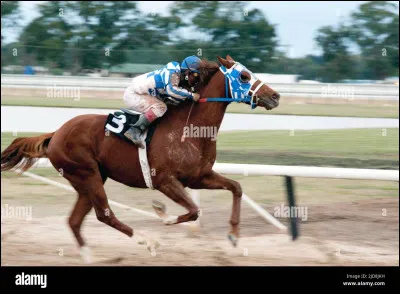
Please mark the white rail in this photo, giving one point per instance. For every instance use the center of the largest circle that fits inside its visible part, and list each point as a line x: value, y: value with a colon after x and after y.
x: 321, y: 90
x: 307, y: 171
x: 292, y: 171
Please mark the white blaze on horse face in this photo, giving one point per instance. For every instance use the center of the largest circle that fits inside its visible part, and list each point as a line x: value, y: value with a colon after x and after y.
x: 239, y: 88
x: 252, y: 82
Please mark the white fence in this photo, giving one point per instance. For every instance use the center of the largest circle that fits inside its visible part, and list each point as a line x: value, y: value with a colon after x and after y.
x: 292, y: 171
x: 322, y: 90
x: 306, y: 171
x: 263, y: 170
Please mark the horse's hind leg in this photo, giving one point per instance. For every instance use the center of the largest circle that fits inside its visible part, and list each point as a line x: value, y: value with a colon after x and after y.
x: 92, y: 189
x: 175, y: 191
x: 82, y: 207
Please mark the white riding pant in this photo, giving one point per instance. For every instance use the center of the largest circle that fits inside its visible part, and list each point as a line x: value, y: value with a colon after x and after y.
x: 137, y: 97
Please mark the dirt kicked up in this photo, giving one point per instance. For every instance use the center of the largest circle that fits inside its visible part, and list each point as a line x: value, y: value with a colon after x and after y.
x: 350, y: 229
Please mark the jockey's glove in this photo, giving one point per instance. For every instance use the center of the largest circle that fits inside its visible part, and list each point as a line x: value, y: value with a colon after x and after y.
x: 196, y: 96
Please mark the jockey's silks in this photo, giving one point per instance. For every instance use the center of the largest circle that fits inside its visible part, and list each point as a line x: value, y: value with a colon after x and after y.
x: 164, y: 82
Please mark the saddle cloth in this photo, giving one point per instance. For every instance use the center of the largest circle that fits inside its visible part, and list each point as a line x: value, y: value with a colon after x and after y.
x: 119, y: 122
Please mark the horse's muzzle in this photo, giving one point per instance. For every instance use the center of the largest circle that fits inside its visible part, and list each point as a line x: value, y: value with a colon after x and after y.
x: 268, y: 103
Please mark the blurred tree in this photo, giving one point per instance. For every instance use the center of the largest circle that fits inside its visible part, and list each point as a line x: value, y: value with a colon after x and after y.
x: 9, y: 15
x: 75, y: 35
x: 375, y: 28
x: 78, y: 35
x: 101, y: 29
x: 230, y: 28
x: 308, y: 68
x: 337, y: 62
x: 151, y: 37
x: 47, y: 36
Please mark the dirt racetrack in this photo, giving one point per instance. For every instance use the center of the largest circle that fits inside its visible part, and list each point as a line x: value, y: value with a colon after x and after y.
x: 352, y: 232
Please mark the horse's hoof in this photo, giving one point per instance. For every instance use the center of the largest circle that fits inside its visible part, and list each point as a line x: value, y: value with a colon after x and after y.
x: 86, y: 254
x: 194, y: 226
x: 159, y: 207
x: 170, y: 220
x: 233, y: 239
x: 140, y: 239
x: 152, y: 245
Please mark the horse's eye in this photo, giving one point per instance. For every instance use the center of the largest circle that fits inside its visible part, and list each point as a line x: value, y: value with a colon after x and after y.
x: 244, y: 78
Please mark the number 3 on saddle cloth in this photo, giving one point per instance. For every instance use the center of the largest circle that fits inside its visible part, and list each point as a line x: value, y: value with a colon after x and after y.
x: 119, y: 122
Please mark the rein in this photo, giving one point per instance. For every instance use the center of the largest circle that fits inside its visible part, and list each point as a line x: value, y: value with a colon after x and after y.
x: 225, y: 99
x: 187, y: 120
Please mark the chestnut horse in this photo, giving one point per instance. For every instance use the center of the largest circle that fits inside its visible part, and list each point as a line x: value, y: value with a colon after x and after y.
x: 87, y: 157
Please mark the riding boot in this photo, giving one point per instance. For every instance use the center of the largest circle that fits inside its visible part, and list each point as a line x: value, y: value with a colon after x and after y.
x: 135, y: 131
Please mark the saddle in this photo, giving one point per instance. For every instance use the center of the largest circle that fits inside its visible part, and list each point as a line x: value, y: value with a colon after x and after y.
x: 120, y: 121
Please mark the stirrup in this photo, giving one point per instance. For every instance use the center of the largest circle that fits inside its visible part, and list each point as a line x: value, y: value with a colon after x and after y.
x: 130, y: 134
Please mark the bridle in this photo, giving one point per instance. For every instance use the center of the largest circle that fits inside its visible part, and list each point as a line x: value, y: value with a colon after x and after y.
x: 237, y: 93
x: 230, y: 96
x: 254, y: 95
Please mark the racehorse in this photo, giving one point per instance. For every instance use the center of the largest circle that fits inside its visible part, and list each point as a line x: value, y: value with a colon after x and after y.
x: 87, y: 156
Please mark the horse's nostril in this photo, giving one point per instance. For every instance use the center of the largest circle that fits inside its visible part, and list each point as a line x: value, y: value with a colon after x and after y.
x: 276, y: 96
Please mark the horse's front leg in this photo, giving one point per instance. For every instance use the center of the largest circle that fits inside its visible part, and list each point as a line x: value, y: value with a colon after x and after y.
x: 214, y: 180
x: 175, y: 191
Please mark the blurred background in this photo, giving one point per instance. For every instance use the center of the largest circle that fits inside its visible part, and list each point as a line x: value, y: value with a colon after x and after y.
x: 335, y: 64
x: 328, y: 60
x: 327, y: 42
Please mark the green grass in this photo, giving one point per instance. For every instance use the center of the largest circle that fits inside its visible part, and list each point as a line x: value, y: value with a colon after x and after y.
x: 41, y: 171
x: 341, y: 110
x: 34, y: 184
x: 62, y: 102
x: 348, y: 141
x: 354, y: 110
x: 356, y: 148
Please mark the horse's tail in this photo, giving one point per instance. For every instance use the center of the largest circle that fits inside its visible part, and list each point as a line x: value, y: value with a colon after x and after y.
x: 24, y: 152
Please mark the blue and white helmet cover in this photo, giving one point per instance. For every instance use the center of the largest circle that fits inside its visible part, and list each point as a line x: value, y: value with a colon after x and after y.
x: 192, y: 63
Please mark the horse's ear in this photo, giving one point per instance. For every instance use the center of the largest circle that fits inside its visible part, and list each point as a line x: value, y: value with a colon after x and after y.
x: 221, y: 60
x: 225, y: 62
x: 228, y: 57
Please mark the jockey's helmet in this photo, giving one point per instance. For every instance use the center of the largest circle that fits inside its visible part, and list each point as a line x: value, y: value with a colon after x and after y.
x: 192, y: 63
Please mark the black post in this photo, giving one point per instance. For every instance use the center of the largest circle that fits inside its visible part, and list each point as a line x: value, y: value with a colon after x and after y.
x: 292, y: 207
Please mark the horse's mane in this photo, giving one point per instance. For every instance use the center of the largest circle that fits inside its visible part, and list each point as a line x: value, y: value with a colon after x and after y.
x: 207, y: 70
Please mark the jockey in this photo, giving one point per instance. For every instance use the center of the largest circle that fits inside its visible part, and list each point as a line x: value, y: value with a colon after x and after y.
x: 150, y: 93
